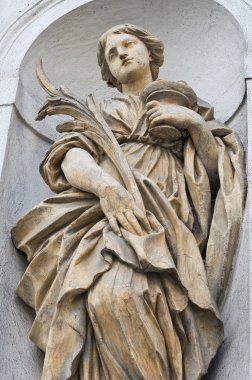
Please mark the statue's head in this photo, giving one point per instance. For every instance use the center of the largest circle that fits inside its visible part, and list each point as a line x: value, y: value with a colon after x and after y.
x: 125, y: 51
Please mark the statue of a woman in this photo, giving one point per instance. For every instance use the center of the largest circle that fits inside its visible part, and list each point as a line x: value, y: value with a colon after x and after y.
x: 127, y: 290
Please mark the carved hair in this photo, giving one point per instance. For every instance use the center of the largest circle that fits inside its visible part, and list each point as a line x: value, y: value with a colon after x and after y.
x: 153, y: 44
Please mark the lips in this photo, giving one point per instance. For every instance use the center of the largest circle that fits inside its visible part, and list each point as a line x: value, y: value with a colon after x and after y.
x: 125, y: 61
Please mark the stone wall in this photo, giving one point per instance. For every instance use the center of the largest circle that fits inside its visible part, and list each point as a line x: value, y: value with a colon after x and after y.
x: 208, y: 44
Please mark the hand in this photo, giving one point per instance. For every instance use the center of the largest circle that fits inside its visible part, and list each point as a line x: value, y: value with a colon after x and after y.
x: 173, y: 115
x: 120, y: 209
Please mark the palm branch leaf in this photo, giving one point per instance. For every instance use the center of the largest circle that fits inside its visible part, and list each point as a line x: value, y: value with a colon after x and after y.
x: 86, y: 116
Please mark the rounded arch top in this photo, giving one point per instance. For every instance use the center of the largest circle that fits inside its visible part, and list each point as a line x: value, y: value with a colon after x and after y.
x: 207, y: 31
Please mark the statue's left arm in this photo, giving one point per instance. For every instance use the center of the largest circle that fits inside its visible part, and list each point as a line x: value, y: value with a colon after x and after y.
x: 184, y: 118
x: 206, y: 146
x: 221, y: 154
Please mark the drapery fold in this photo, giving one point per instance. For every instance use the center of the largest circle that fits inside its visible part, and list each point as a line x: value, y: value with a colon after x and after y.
x: 178, y: 273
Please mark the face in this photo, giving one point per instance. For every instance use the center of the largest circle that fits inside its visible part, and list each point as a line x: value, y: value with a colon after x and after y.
x: 127, y: 57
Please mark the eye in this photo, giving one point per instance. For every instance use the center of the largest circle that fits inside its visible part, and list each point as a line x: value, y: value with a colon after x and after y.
x: 129, y: 43
x: 111, y: 54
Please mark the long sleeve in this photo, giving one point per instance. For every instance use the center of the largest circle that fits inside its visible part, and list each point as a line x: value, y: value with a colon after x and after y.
x: 50, y: 167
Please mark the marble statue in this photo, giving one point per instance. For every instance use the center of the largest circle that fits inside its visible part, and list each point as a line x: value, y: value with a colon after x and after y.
x: 129, y: 261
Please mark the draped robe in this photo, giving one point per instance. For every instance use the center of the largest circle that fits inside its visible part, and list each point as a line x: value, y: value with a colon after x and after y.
x: 132, y: 307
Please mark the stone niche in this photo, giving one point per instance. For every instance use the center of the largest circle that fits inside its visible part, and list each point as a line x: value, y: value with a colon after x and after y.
x: 204, y: 46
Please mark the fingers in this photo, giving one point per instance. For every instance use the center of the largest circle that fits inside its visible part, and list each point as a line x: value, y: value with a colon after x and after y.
x: 155, y: 225
x: 114, y: 226
x: 151, y: 110
x: 159, y: 120
x: 124, y: 222
x: 143, y: 219
x: 130, y: 223
x: 169, y: 119
x: 154, y: 115
x: 152, y: 104
x: 170, y: 114
x: 157, y: 117
x: 134, y: 222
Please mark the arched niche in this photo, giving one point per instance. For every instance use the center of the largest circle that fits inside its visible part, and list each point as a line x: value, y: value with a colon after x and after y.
x: 204, y: 46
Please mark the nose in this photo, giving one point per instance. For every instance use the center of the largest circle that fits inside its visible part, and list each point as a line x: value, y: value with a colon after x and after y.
x: 123, y: 56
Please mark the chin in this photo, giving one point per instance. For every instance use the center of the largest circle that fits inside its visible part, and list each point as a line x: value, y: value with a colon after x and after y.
x: 131, y: 74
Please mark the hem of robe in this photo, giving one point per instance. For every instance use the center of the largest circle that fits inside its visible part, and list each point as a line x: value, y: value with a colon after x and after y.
x: 185, y: 263
x: 96, y: 251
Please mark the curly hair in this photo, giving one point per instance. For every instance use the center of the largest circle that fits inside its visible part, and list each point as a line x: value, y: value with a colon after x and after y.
x: 153, y: 44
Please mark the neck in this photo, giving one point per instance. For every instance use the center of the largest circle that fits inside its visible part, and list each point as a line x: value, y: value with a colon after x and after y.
x: 135, y: 87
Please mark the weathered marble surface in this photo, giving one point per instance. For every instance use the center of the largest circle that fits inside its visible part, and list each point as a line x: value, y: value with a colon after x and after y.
x: 237, y: 334
x: 144, y: 227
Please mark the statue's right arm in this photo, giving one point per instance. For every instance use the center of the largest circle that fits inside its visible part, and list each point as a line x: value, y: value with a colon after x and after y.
x: 82, y: 172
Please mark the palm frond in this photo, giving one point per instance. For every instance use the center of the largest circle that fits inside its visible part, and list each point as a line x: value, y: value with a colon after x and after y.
x: 86, y: 117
